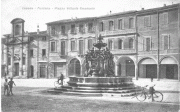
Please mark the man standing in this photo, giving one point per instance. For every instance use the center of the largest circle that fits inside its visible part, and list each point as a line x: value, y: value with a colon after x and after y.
x: 11, y: 82
x: 6, y: 88
x: 62, y: 78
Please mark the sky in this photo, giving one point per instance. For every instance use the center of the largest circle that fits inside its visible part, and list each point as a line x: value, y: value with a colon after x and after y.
x: 40, y: 12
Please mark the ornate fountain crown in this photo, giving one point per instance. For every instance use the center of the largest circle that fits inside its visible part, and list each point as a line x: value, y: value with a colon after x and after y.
x: 100, y: 43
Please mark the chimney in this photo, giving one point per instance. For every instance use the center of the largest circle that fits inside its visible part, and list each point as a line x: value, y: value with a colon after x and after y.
x: 164, y: 5
x: 37, y: 29
x: 110, y: 11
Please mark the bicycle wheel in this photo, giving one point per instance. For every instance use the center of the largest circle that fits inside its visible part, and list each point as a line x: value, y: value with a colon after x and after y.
x: 56, y: 84
x: 158, y: 96
x: 141, y: 96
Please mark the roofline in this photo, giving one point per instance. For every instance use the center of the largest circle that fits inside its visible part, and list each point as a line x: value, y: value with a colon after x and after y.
x: 158, y: 9
x: 72, y: 20
x: 119, y: 13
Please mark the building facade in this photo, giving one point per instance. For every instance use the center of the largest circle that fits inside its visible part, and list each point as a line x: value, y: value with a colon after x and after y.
x: 145, y: 44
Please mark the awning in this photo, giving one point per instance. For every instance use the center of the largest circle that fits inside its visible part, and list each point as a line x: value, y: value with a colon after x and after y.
x: 58, y: 61
x: 148, y: 61
x: 168, y: 61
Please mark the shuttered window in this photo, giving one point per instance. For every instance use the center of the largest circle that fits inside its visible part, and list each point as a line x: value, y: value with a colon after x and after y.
x: 131, y: 42
x: 119, y: 44
x: 53, y: 48
x: 101, y: 26
x: 147, y: 21
x: 81, y: 48
x: 63, y: 44
x: 110, y: 44
x: 111, y: 25
x: 90, y: 44
x: 73, y: 45
x: 148, y: 44
x: 131, y: 23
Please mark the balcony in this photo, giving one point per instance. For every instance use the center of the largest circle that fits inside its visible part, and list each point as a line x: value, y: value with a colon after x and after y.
x: 123, y: 51
x: 118, y: 32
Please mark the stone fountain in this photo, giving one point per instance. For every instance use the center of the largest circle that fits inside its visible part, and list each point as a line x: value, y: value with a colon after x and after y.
x: 99, y: 78
x: 99, y: 66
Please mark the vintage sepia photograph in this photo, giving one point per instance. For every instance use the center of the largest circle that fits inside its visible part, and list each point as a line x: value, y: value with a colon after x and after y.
x: 90, y: 55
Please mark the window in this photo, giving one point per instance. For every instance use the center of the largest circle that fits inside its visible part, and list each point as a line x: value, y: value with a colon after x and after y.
x: 31, y: 53
x: 62, y: 29
x: 81, y: 28
x: 17, y: 29
x: 111, y: 25
x: 90, y: 44
x: 131, y: 41
x: 120, y: 24
x: 110, y: 42
x: 90, y: 27
x: 73, y: 45
x: 101, y: 26
x: 131, y: 23
x: 119, y: 44
x: 63, y: 47
x: 9, y: 60
x: 43, y: 52
x: 72, y: 29
x: 147, y: 21
x: 53, y: 48
x: 44, y: 38
x: 148, y: 44
x: 164, y: 18
x: 53, y: 30
x: 81, y: 48
x: 24, y: 60
x: 166, y: 42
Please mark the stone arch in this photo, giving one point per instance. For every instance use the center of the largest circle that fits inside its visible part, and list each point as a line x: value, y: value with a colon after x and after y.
x: 147, y: 67
x: 169, y: 67
x: 74, y: 67
x: 125, y: 66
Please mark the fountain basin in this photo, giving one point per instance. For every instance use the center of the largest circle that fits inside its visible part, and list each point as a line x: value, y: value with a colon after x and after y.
x: 100, y: 81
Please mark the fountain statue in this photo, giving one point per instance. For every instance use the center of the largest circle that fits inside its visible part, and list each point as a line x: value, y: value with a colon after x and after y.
x: 99, y: 60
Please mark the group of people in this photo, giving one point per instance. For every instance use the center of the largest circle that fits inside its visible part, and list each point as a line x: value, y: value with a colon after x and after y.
x: 8, y: 86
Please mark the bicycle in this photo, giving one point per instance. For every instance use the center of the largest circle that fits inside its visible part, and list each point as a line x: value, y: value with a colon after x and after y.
x: 142, y: 93
x: 57, y: 84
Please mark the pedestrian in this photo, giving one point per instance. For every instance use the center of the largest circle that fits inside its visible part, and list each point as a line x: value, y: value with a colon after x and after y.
x: 151, y: 88
x: 11, y: 82
x: 6, y: 88
x: 62, y: 78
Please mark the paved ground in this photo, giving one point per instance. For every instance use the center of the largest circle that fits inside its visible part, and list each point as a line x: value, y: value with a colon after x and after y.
x: 26, y: 99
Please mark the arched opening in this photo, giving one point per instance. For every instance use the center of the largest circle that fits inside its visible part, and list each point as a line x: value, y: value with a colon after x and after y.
x: 147, y: 68
x: 17, y: 29
x: 74, y: 67
x: 169, y: 68
x: 126, y: 67
x: 32, y: 71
